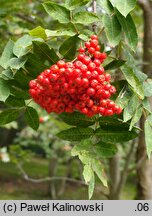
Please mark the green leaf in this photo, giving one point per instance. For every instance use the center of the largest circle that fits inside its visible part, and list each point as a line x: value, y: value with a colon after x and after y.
x: 106, y: 5
x: 91, y: 186
x: 148, y: 135
x: 57, y: 11
x: 35, y: 65
x: 74, y: 4
x: 8, y: 116
x: 22, y: 46
x: 19, y: 93
x: 85, y: 18
x: 112, y: 29
x: 76, y: 134
x: 129, y: 29
x: 17, y: 63
x: 112, y: 123
x: 6, y: 74
x: 124, y: 7
x: 32, y: 117
x: 22, y: 79
x: 111, y: 136
x: 136, y: 117
x: 130, y: 108
x: 4, y: 90
x: 43, y: 51
x: 133, y: 80
x: 131, y: 61
x: 148, y: 87
x: 15, y: 102
x: 87, y: 173
x: 124, y: 96
x: 69, y: 47
x: 146, y: 104
x: 7, y: 54
x: 38, y: 32
x: 86, y: 157
x: 84, y: 145
x: 105, y: 150
x: 77, y: 119
x: 114, y: 64
x: 60, y: 32
x: 97, y: 168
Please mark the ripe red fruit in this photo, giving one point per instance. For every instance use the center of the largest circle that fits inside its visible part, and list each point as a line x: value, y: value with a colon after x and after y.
x: 41, y: 119
x: 94, y: 37
x: 87, y: 44
x: 91, y: 50
x: 108, y: 112
x: 93, y: 83
x: 61, y: 63
x: 103, y: 56
x: 112, y: 90
x: 90, y: 91
x: 89, y: 103
x: 94, y: 43
x: 101, y: 110
x: 85, y: 82
x: 80, y: 85
x: 81, y: 50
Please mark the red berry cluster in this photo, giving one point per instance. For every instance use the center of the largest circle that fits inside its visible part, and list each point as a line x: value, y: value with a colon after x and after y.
x: 80, y: 85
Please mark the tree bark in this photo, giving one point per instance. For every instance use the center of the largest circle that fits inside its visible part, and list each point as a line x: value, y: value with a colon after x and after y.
x: 144, y: 170
x: 114, y: 171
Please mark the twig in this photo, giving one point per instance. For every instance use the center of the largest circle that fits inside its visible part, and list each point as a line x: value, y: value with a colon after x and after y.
x: 46, y: 179
x: 124, y: 173
x: 26, y: 18
x: 27, y: 178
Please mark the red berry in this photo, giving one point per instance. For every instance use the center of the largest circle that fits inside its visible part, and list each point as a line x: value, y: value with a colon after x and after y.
x: 90, y: 91
x: 97, y: 62
x: 93, y: 83
x: 101, y: 110
x: 103, y: 56
x: 91, y: 50
x: 61, y: 64
x: 94, y: 37
x: 89, y: 103
x: 32, y: 84
x: 87, y: 44
x: 103, y: 103
x: 81, y: 50
x: 84, y: 110
x: 107, y: 77
x: 91, y: 66
x: 108, y: 112
x: 98, y: 48
x: 106, y: 94
x: 94, y: 43
x: 85, y: 82
x: 112, y: 90
x: 41, y: 119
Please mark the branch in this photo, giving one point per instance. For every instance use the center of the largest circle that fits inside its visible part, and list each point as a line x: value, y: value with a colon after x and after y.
x: 26, y: 18
x: 144, y: 4
x: 27, y: 178
x: 94, y: 9
x: 125, y: 170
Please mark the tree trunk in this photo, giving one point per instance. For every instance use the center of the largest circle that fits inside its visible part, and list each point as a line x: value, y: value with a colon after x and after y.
x: 114, y: 171
x: 52, y: 170
x: 144, y: 166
